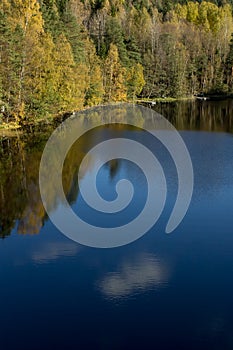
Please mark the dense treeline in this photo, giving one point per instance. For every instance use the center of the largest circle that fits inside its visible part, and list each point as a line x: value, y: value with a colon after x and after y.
x: 62, y: 55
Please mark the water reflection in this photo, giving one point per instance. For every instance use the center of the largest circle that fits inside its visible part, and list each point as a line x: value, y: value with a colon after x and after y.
x: 54, y: 250
x: 19, y: 191
x: 145, y: 272
x: 20, y: 203
x: 176, y: 289
x: 199, y: 115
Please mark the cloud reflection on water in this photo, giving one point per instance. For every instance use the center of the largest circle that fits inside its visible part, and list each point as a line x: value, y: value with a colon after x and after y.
x: 144, y: 273
x: 55, y: 250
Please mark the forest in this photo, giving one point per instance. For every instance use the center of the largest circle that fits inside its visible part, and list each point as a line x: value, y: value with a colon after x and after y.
x: 59, y: 56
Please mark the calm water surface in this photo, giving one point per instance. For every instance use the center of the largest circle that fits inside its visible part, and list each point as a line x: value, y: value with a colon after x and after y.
x: 160, y: 292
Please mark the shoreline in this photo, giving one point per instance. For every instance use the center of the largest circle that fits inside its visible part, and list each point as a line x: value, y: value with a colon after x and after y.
x: 13, y: 129
x: 165, y: 99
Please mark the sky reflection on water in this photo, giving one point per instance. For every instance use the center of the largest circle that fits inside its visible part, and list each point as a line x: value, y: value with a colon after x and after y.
x: 162, y: 291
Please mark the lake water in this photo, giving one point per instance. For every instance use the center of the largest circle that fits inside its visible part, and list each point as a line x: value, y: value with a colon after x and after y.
x: 160, y: 292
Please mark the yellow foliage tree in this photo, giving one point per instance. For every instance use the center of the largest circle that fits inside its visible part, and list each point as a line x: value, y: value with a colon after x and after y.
x: 71, y: 78
x: 114, y: 77
x: 192, y: 12
x: 25, y: 17
x: 95, y: 90
x: 135, y: 80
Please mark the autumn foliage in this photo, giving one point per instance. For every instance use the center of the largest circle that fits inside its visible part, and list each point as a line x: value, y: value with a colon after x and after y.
x: 62, y: 55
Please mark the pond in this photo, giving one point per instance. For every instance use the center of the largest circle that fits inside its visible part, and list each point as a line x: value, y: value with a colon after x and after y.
x: 163, y: 290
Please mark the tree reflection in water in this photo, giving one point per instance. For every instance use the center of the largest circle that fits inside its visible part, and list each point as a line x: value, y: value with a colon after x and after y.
x: 20, y: 202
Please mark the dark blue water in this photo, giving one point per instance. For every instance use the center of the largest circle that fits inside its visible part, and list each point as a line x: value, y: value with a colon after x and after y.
x: 160, y: 292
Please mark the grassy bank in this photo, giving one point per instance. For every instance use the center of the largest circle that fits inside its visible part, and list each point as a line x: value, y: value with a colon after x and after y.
x: 164, y: 99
